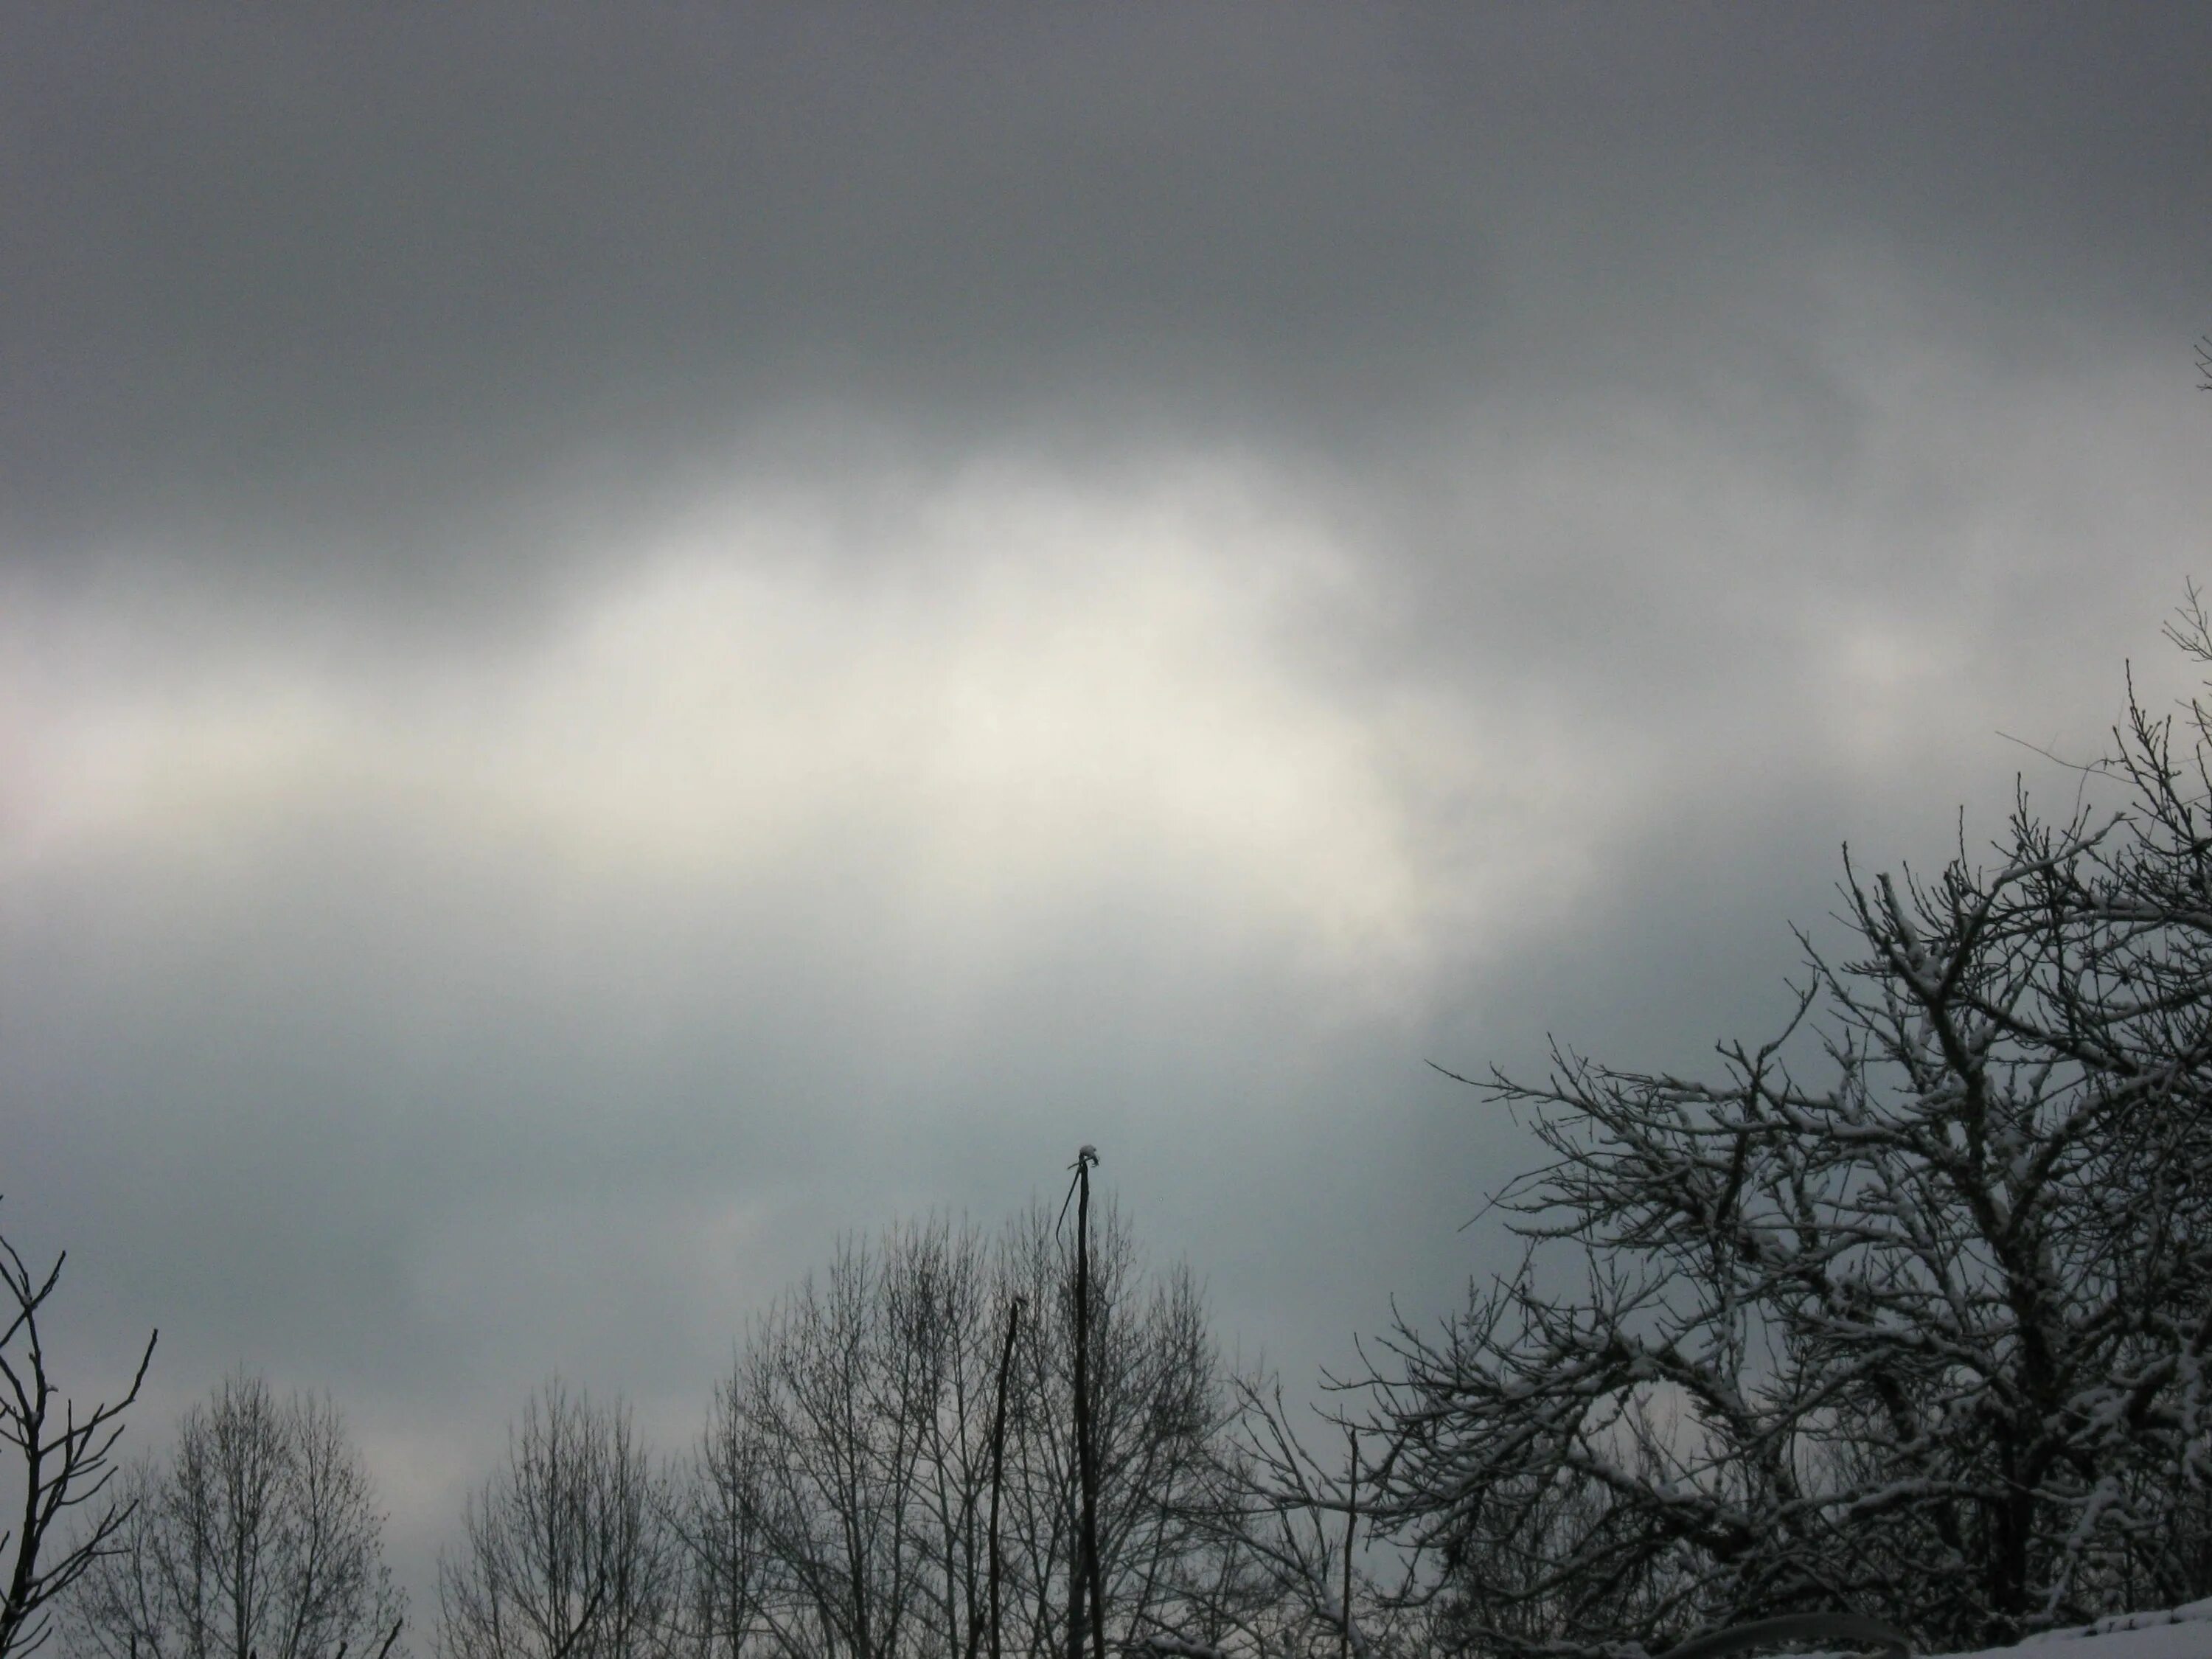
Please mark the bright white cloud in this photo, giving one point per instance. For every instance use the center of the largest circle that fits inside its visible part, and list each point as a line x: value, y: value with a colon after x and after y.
x: 1020, y: 695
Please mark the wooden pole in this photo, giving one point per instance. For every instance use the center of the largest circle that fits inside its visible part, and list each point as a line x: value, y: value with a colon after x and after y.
x: 1351, y: 1521
x: 1086, y: 1453
x: 997, y: 1468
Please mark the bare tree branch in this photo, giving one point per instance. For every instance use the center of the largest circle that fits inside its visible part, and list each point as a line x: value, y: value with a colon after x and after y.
x: 63, y: 1466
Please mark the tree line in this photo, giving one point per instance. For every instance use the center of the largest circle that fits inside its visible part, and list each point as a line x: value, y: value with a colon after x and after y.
x: 1903, y: 1311
x: 840, y: 1498
x: 837, y: 1500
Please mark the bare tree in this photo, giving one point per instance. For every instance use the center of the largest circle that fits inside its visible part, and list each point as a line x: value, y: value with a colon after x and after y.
x: 569, y: 1549
x: 719, y: 1521
x: 1905, y: 1313
x: 1159, y: 1405
x: 860, y: 1395
x: 62, y: 1468
x: 853, y: 1448
x: 1292, y: 1524
x: 258, y: 1534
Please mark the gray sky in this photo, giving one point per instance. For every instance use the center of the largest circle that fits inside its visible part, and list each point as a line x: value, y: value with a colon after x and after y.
x: 631, y: 637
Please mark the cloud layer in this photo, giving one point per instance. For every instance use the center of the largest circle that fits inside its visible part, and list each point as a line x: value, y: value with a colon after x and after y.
x: 625, y: 645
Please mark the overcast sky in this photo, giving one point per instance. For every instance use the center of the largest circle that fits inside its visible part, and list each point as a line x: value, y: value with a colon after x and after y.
x: 632, y: 637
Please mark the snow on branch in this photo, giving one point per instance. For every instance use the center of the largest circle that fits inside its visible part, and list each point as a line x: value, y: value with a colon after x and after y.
x: 1905, y: 1312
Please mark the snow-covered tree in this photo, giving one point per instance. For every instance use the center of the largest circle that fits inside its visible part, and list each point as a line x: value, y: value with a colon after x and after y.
x: 1907, y: 1311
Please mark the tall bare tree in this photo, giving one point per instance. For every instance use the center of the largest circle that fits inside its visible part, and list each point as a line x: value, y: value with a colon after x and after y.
x: 569, y: 1549
x: 258, y: 1535
x: 61, y: 1470
x: 862, y: 1391
x: 852, y: 1447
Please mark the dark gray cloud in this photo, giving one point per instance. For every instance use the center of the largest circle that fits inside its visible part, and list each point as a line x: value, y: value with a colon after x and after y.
x: 392, y: 288
x: 632, y: 638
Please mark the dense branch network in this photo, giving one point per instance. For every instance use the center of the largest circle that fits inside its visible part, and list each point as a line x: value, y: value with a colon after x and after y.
x: 1906, y: 1312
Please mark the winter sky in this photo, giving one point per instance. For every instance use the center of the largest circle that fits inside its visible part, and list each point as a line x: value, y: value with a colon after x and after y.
x: 634, y: 637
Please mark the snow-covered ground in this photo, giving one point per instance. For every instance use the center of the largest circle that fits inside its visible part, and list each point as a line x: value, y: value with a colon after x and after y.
x: 2183, y: 1633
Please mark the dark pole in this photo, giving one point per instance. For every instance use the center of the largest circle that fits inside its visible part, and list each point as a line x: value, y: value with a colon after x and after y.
x: 1351, y: 1521
x: 998, y: 1470
x: 1087, y: 1455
